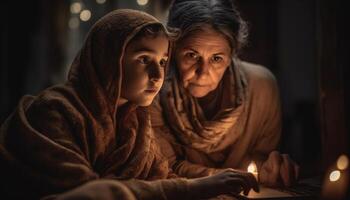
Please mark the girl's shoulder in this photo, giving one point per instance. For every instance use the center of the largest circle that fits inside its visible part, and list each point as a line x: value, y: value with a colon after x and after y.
x: 59, y: 100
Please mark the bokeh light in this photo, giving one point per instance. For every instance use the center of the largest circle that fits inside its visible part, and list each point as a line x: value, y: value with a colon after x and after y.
x: 100, y: 1
x: 73, y: 23
x: 75, y: 7
x: 85, y: 15
x: 142, y: 2
x: 343, y: 162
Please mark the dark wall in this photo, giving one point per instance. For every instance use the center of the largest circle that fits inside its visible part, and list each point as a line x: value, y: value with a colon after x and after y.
x: 333, y: 60
x: 32, y: 44
x: 283, y: 39
x: 305, y: 44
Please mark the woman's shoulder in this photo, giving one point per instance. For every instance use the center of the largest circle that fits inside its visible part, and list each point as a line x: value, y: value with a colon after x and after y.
x: 257, y: 72
x: 260, y: 79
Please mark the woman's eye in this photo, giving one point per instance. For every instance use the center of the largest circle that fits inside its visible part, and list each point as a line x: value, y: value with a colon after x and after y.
x: 192, y: 55
x: 217, y: 59
x: 144, y: 60
x: 163, y: 62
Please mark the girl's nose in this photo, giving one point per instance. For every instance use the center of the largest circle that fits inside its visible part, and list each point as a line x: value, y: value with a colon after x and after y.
x: 155, y: 72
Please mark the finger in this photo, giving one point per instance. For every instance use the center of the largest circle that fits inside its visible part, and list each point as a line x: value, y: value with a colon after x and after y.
x: 294, y: 170
x: 238, y: 182
x: 236, y: 190
x: 264, y: 173
x: 252, y: 181
x: 286, y: 170
x: 276, y: 165
x: 249, y: 179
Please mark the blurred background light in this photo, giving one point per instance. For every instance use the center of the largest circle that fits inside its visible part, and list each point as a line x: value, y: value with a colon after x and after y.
x: 73, y: 23
x: 85, y: 15
x: 75, y: 7
x: 142, y: 2
x: 343, y: 162
x: 100, y: 1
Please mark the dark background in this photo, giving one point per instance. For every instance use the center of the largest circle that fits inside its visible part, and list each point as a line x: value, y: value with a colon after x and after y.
x: 303, y: 42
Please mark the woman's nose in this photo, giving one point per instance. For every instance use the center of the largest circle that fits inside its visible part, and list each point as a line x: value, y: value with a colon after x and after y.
x: 202, y: 68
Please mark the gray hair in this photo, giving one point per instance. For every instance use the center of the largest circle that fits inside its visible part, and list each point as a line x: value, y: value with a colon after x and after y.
x: 221, y: 15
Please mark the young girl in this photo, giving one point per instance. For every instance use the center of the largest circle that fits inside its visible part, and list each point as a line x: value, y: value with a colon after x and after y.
x: 94, y: 127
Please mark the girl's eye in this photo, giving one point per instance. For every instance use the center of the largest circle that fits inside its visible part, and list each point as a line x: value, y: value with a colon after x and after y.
x: 192, y: 55
x: 144, y: 60
x: 217, y: 59
x: 163, y: 62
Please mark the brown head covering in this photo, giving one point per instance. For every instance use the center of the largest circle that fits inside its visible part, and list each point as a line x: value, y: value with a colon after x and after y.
x: 96, y: 72
x: 69, y: 134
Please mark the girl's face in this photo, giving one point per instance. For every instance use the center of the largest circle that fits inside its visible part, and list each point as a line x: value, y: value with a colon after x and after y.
x: 202, y: 58
x: 144, y: 63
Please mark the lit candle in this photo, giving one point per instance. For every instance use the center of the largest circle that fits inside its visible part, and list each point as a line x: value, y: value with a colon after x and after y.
x: 336, y: 181
x: 252, y: 168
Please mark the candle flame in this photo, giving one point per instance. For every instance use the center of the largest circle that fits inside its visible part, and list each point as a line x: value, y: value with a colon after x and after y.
x: 252, y: 168
x: 334, y: 175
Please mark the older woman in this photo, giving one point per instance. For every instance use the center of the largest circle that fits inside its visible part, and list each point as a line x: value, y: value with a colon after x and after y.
x: 215, y: 110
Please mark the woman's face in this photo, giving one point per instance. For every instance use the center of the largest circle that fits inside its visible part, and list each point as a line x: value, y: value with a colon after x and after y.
x: 144, y: 63
x: 202, y: 58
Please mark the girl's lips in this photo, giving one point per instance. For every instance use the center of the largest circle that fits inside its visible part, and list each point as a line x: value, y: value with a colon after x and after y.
x: 151, y: 90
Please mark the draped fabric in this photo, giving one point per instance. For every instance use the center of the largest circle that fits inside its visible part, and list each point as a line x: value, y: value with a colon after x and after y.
x: 73, y: 133
x: 246, y: 125
x: 188, y: 119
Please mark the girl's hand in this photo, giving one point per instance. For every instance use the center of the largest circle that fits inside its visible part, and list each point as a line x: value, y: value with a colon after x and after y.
x: 228, y: 181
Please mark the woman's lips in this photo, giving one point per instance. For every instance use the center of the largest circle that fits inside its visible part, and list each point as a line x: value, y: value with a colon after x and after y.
x: 198, y: 85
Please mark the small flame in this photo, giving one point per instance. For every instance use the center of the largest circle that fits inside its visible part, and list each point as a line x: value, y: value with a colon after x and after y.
x: 252, y: 168
x: 334, y: 175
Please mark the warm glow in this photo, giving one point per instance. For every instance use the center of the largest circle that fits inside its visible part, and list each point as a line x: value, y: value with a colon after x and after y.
x: 252, y: 168
x: 334, y: 176
x: 142, y: 2
x: 343, y: 162
x: 85, y: 15
x: 75, y: 7
x: 73, y: 23
x: 100, y: 1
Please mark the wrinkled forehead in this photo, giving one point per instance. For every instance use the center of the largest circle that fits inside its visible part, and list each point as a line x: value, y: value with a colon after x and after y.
x: 205, y: 37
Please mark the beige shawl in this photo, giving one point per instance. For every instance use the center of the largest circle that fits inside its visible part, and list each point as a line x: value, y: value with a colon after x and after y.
x: 187, y: 117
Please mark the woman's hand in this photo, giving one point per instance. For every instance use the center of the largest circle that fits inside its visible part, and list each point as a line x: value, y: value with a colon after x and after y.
x: 278, y: 170
x: 228, y: 181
